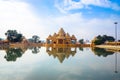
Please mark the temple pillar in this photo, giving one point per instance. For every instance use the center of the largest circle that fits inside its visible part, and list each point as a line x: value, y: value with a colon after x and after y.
x: 75, y: 41
x: 63, y: 41
x: 57, y: 41
x: 46, y: 41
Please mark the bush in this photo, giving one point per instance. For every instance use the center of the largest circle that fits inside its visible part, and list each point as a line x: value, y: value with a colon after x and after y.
x: 102, y: 39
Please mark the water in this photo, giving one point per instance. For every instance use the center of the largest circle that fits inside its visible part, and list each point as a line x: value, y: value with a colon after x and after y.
x: 59, y: 64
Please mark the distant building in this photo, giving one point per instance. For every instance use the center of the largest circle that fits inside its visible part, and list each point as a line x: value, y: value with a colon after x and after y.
x: 61, y: 38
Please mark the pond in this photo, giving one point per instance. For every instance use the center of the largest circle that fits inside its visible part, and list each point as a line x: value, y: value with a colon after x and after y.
x: 40, y: 63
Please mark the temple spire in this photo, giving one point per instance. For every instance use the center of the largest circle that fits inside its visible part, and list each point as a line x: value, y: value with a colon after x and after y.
x: 61, y: 31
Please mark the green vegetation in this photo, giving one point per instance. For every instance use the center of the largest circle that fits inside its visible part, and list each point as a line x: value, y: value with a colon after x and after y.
x: 81, y: 41
x: 102, y: 39
x: 13, y: 54
x: 34, y: 39
x: 13, y: 36
x: 35, y: 50
x: 81, y: 48
x: 102, y: 52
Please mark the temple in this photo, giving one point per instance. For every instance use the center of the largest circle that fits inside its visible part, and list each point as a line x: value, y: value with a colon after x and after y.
x: 61, y: 38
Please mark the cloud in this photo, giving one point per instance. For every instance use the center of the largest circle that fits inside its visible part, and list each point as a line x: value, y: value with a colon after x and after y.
x: 20, y: 16
x: 101, y: 3
x: 83, y: 27
x: 66, y: 5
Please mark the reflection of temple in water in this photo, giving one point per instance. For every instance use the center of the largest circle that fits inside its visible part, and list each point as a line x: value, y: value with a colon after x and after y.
x: 61, y: 53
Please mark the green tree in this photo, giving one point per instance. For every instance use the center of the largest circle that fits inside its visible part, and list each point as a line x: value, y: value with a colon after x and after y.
x: 102, y: 52
x: 81, y: 48
x: 102, y: 39
x: 81, y: 41
x: 36, y: 39
x: 14, y: 36
x: 108, y: 38
x: 99, y: 40
x: 13, y: 54
x: 35, y: 50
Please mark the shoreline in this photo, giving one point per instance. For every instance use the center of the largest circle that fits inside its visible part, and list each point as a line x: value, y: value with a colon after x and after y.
x: 111, y: 47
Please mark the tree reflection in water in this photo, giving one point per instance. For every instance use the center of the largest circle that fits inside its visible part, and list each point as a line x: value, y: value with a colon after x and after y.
x: 81, y: 48
x: 61, y: 53
x: 102, y: 52
x: 35, y: 49
x: 13, y: 53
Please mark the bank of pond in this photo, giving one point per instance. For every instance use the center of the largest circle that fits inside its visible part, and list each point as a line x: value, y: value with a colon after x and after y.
x: 12, y: 53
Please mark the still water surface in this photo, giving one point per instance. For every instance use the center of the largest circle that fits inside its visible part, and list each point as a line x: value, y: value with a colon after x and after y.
x: 59, y: 64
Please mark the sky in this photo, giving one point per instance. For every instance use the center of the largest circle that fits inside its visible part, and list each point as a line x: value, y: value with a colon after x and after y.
x: 83, y: 18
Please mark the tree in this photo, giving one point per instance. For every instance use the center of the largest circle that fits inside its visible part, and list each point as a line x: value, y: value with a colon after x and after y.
x: 35, y: 50
x: 81, y: 41
x: 13, y: 54
x: 102, y: 52
x: 81, y: 48
x: 14, y: 36
x: 102, y: 39
x: 36, y: 39
x: 99, y: 40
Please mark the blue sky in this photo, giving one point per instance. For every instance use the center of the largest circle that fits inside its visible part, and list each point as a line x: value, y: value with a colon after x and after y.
x: 83, y: 18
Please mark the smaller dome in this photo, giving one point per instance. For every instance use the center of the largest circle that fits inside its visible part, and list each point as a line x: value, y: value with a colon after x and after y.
x: 73, y: 37
x: 67, y: 35
x: 49, y: 37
